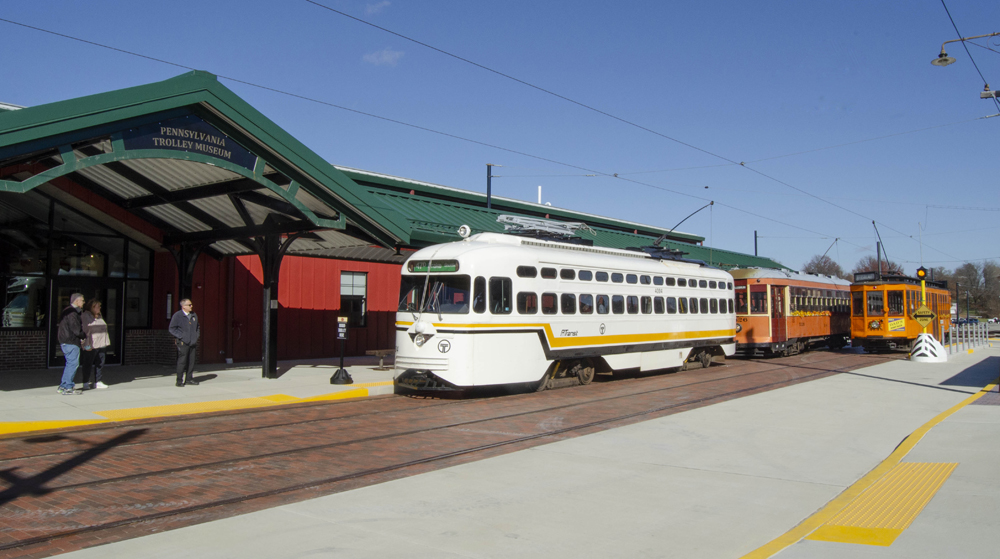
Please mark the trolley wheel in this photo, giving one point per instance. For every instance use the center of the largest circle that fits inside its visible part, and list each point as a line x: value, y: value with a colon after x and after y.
x: 585, y: 375
x: 706, y: 359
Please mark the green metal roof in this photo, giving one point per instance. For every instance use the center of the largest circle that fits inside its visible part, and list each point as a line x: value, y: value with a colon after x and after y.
x: 435, y: 213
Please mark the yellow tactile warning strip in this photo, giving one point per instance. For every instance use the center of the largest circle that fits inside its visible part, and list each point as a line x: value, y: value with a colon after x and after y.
x: 824, y: 515
x: 879, y: 515
x: 359, y: 390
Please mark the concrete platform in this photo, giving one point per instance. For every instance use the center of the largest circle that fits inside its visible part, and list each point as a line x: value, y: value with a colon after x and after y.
x: 751, y: 477
x: 29, y: 402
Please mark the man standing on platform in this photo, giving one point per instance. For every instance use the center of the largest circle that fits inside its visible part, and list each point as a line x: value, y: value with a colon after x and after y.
x: 70, y: 335
x: 186, y: 330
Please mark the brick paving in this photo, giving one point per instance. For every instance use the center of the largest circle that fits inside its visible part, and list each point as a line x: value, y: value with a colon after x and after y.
x: 87, y: 486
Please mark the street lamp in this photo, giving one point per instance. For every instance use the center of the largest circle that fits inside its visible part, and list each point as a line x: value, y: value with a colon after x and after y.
x: 943, y: 59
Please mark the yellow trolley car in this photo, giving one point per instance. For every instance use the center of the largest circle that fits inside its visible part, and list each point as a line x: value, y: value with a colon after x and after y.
x: 882, y: 307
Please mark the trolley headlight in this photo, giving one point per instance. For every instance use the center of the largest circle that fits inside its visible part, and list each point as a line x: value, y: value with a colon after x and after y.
x: 739, y: 328
x: 419, y: 339
x: 874, y: 325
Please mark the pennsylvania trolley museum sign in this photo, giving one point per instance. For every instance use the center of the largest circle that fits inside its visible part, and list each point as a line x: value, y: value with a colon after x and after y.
x: 191, y: 134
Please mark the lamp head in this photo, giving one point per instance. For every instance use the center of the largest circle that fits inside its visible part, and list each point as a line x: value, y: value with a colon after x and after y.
x: 943, y: 59
x: 922, y: 273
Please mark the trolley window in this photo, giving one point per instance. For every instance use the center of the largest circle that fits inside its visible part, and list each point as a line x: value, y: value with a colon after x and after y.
x: 647, y: 305
x: 586, y: 275
x: 713, y: 306
x: 658, y: 305
x: 632, y: 304
x: 526, y: 271
x: 670, y: 281
x: 567, y: 274
x: 876, y: 305
x: 682, y: 304
x: 730, y: 306
x: 712, y: 285
x: 617, y: 304
x: 758, y: 302
x: 500, y: 296
x: 858, y: 303
x: 704, y: 305
x: 894, y: 300
x: 645, y: 280
x: 617, y: 278
x: 741, y: 302
x: 702, y: 283
x: 527, y: 303
x: 729, y: 285
x: 479, y: 295
x: 601, y: 276
x: 443, y: 294
x: 549, y: 273
x: 567, y: 301
x: 549, y: 303
x: 602, y: 304
x: 586, y: 304
x: 693, y: 305
x: 671, y: 305
x: 657, y: 280
x: 631, y: 278
x: 681, y: 282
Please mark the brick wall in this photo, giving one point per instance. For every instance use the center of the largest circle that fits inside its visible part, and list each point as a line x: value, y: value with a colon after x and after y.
x: 150, y: 347
x: 22, y: 349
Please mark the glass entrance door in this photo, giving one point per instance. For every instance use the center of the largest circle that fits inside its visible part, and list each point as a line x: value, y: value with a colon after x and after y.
x: 107, y: 291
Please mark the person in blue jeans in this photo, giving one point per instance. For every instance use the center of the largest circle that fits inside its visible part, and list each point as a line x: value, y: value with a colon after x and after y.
x: 70, y: 336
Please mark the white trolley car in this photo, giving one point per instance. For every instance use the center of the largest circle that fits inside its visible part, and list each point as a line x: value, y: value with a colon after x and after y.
x: 498, y: 309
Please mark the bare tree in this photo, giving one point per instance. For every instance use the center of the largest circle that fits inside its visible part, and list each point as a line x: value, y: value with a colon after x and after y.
x: 822, y: 264
x: 870, y: 264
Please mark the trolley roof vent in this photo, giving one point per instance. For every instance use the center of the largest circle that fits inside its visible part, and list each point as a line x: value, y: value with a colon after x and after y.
x: 545, y: 229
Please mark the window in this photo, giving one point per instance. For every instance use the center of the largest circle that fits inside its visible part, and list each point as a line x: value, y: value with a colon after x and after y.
x: 682, y: 304
x: 567, y: 301
x: 730, y: 306
x: 479, y: 295
x: 586, y: 304
x: 681, y: 282
x: 500, y: 295
x: 617, y: 278
x: 549, y: 273
x: 657, y: 280
x: 527, y: 303
x: 586, y: 275
x: 741, y: 302
x: 617, y: 304
x: 722, y: 285
x: 647, y: 305
x: 876, y: 306
x: 702, y: 283
x: 632, y: 304
x: 711, y: 285
x: 353, y: 293
x: 693, y: 305
x: 567, y: 274
x: 671, y: 305
x: 758, y: 301
x: 858, y: 303
x: 632, y: 278
x: 658, y: 305
x: 670, y: 281
x: 549, y: 303
x: 729, y: 285
x: 645, y: 280
x: 602, y: 276
x: 713, y: 306
x: 704, y: 305
x: 526, y: 272
x: 894, y: 300
x: 602, y: 304
x: 443, y: 295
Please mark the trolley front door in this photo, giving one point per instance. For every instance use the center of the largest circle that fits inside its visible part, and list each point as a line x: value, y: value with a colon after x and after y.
x: 778, y: 329
x: 106, y: 290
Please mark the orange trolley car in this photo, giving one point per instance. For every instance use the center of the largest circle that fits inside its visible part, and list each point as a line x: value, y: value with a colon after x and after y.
x: 882, y: 308
x: 784, y: 313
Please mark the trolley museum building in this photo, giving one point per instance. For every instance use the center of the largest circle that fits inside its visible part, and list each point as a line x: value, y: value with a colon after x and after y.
x: 180, y: 189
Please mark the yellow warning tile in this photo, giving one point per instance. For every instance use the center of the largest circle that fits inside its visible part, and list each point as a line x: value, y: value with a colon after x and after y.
x: 183, y: 409
x: 354, y: 393
x: 880, y: 514
x: 24, y: 426
x: 281, y: 398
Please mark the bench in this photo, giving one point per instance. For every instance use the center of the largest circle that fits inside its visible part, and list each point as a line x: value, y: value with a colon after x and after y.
x: 381, y: 353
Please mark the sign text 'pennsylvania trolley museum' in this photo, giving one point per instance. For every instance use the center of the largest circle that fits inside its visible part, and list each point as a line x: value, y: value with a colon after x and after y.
x: 144, y: 196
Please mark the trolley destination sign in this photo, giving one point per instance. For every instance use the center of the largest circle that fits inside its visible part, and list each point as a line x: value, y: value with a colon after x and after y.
x: 924, y: 316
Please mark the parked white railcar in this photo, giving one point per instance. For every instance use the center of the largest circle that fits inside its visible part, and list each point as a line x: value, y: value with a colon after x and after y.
x: 498, y: 309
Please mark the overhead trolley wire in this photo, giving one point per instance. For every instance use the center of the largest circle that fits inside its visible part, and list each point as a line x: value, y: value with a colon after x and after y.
x: 968, y: 52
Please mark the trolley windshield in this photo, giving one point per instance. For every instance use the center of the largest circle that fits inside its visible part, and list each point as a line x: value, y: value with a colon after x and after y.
x: 435, y: 294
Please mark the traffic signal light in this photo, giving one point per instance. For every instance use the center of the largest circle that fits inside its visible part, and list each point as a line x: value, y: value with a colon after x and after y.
x: 922, y: 273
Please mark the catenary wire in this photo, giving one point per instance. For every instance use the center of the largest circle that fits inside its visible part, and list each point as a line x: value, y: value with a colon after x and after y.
x: 968, y: 52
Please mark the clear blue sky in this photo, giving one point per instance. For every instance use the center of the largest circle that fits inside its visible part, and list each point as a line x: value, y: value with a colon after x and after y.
x: 745, y: 81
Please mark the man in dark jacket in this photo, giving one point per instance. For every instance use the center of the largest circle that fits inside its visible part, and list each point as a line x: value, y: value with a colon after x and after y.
x: 70, y: 336
x: 186, y: 330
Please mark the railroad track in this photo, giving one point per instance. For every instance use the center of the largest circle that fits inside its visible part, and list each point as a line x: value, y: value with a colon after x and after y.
x: 98, y: 484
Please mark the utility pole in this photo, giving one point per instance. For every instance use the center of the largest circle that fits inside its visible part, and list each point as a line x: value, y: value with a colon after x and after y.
x: 489, y: 185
